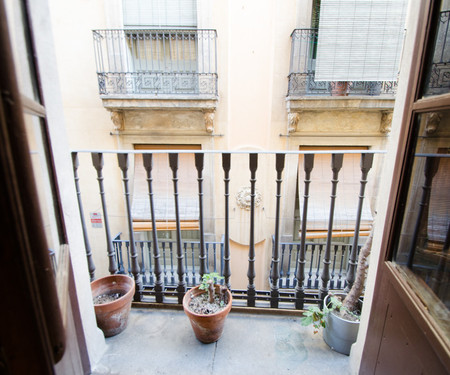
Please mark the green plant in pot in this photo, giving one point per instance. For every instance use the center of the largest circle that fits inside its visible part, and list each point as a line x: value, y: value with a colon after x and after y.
x: 340, y: 314
x: 207, y: 306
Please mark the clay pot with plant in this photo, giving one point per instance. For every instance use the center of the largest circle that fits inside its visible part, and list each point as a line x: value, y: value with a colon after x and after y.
x: 341, y: 313
x: 207, y: 307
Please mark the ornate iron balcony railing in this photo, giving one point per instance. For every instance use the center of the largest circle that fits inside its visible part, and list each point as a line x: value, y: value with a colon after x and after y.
x: 167, y: 249
x: 154, y: 61
x: 438, y: 76
x: 302, y: 71
x: 300, y: 272
x: 314, y: 252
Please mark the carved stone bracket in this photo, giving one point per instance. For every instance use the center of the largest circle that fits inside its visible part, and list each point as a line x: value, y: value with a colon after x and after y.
x: 118, y: 120
x: 386, y: 122
x: 293, y: 118
x: 208, y: 115
x: 243, y: 198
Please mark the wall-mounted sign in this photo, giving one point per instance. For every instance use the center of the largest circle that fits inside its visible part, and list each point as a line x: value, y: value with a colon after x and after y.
x: 96, y: 219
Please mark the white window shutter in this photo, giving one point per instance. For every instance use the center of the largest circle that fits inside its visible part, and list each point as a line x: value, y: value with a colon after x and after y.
x: 160, y: 13
x: 360, y: 40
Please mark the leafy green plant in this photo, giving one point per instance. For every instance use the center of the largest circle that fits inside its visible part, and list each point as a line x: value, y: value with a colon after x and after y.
x: 316, y: 316
x: 208, y: 280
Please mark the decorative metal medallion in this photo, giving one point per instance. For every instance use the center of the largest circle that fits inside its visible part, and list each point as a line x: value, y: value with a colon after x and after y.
x: 243, y: 198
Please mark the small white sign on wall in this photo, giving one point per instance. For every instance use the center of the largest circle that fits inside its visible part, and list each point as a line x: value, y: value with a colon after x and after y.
x: 96, y: 219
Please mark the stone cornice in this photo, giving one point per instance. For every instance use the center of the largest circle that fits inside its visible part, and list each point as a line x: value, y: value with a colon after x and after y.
x: 182, y: 103
x: 330, y: 103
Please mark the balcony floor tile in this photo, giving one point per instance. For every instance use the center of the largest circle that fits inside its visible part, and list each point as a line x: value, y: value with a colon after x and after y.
x: 160, y: 341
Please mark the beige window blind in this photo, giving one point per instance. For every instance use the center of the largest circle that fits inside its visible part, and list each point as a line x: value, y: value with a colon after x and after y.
x: 159, y: 13
x: 360, y: 40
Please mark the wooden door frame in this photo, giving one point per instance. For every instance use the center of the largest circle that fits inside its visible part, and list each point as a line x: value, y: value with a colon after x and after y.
x: 389, y: 275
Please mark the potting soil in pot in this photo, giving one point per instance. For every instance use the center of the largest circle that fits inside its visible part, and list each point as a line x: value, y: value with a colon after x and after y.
x: 106, y: 298
x: 201, y: 305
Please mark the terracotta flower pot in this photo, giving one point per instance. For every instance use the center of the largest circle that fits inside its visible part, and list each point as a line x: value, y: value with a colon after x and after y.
x: 208, y: 328
x: 112, y: 317
x: 339, y: 88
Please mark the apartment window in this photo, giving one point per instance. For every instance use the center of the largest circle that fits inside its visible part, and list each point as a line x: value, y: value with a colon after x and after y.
x: 347, y: 194
x: 163, y: 197
x: 360, y: 40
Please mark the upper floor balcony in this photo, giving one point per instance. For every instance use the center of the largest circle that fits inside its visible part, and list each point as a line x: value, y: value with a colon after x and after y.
x: 156, y: 62
x: 302, y: 69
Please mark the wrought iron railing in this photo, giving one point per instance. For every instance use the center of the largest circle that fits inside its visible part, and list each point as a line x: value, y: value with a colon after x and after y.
x: 167, y: 270
x: 438, y: 80
x: 154, y: 61
x: 302, y: 71
x: 167, y: 248
x: 289, y: 264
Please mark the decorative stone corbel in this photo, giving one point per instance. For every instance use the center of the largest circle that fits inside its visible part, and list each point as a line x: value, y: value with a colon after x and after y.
x: 293, y: 118
x: 386, y: 122
x: 117, y: 119
x: 208, y: 115
x: 433, y: 120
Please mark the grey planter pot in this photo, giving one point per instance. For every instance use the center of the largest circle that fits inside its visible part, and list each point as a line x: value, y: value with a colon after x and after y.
x: 339, y: 333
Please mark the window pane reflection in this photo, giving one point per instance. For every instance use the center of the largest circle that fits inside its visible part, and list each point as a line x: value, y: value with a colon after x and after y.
x: 437, y: 71
x: 425, y: 235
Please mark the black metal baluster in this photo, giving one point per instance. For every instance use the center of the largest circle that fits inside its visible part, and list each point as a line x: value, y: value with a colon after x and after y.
x: 150, y: 265
x: 297, y: 255
x: 159, y: 285
x: 172, y: 269
x: 310, y: 273
x: 341, y: 266
x: 123, y: 164
x: 319, y: 257
x: 275, y: 275
x: 194, y: 282
x: 366, y: 165
x: 226, y: 165
x: 199, y: 163
x: 308, y: 165
x: 333, y: 269
x: 283, y: 251
x: 430, y: 170
x: 142, y: 265
x: 87, y: 245
x: 336, y: 165
x: 127, y: 246
x: 117, y: 244
x: 181, y: 288
x: 186, y: 267
x: 97, y: 161
x: 251, y: 292
x: 288, y: 269
x: 166, y: 280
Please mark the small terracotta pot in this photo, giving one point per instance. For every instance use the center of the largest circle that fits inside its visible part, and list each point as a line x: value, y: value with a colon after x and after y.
x: 112, y: 317
x: 339, y: 88
x: 208, y: 328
